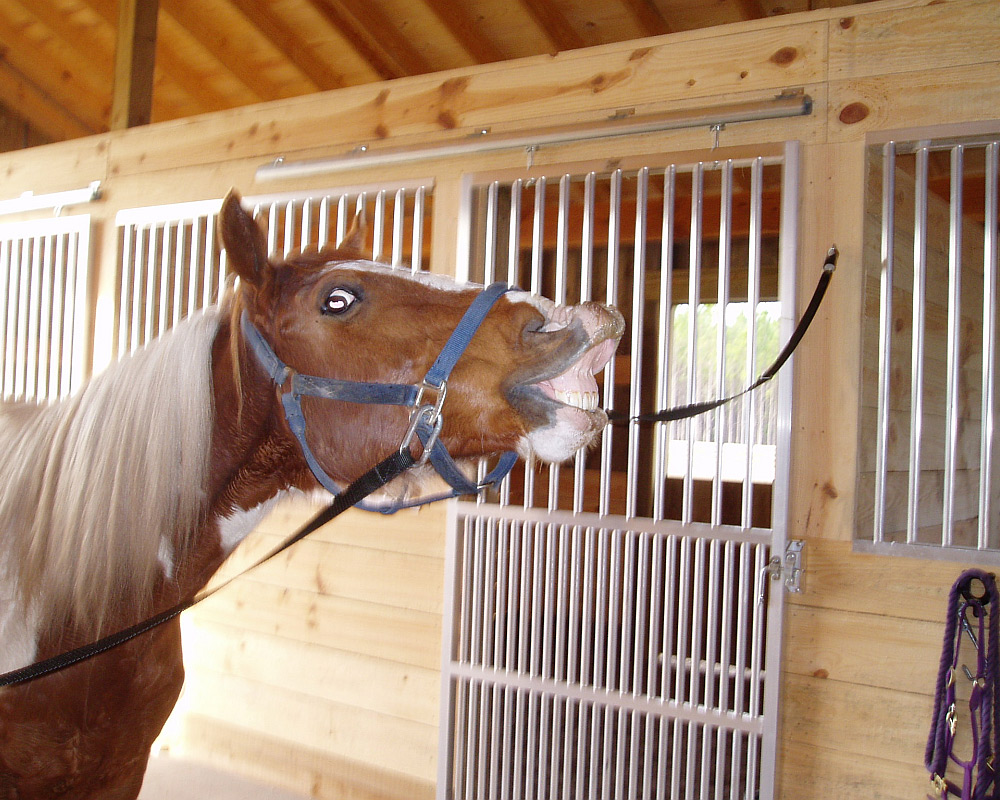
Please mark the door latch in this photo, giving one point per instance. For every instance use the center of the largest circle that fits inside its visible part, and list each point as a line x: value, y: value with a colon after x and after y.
x: 789, y: 569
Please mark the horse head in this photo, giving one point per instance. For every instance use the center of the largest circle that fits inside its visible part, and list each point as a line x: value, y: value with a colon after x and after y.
x: 525, y: 382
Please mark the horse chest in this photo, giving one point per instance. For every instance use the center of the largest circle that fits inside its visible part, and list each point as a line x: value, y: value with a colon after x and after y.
x: 85, y: 732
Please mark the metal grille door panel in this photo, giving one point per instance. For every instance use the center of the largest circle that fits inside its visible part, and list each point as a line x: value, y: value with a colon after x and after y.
x: 610, y: 625
x: 172, y: 264
x: 43, y: 317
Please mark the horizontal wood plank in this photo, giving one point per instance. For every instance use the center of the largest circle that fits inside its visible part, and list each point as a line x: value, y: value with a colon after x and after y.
x: 299, y: 768
x: 822, y: 772
x: 910, y: 588
x: 359, y: 573
x: 388, y: 688
x: 890, y: 41
x: 344, y: 731
x: 851, y: 647
x: 566, y: 86
x: 366, y: 627
x: 855, y: 720
x: 883, y: 102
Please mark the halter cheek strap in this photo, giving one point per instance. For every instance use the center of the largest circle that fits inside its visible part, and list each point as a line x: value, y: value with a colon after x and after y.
x: 427, y: 400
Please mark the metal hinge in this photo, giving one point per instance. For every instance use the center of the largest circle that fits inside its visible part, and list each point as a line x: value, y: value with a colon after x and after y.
x: 789, y: 569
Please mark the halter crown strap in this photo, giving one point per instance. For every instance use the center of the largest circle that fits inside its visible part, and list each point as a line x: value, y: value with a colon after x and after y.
x: 426, y: 420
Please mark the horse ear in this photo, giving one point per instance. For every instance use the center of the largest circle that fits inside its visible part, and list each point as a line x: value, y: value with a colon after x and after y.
x: 246, y: 248
x: 357, y: 233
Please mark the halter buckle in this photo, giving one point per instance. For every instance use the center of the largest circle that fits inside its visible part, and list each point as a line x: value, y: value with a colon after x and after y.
x: 428, y: 414
x: 440, y: 391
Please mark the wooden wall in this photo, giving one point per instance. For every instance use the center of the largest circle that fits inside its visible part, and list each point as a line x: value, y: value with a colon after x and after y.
x: 320, y: 673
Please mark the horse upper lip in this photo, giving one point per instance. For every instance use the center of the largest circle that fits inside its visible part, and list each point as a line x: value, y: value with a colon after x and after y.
x: 591, y: 336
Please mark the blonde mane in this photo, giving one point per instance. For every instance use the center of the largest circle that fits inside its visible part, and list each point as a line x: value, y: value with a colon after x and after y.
x: 100, y: 491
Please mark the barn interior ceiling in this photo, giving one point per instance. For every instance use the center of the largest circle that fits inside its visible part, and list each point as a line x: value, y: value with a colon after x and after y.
x: 60, y: 77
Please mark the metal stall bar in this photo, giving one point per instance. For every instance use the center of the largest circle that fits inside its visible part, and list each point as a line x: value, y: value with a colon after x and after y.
x: 44, y: 319
x: 535, y: 287
x: 769, y: 642
x: 694, y: 299
x: 885, y: 334
x: 80, y: 269
x: 163, y: 292
x: 722, y: 303
x: 753, y: 302
x: 398, y: 222
x: 562, y: 262
x: 378, y: 226
x: 954, y: 342
x: 664, y: 338
x: 194, y: 263
x: 23, y: 318
x: 417, y: 249
x: 155, y: 243
x: 323, y: 235
x: 917, y: 344
x: 31, y: 344
x: 611, y: 297
x: 990, y: 264
x: 638, y: 314
x: 57, y: 325
x: 8, y: 286
x: 586, y: 293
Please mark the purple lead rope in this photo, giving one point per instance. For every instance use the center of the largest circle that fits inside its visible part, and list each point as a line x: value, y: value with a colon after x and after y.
x: 979, y: 779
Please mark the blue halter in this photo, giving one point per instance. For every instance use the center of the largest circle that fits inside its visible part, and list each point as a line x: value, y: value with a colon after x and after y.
x: 426, y: 399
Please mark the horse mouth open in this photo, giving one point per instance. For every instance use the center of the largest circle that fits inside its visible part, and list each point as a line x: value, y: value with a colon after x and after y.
x: 561, y: 399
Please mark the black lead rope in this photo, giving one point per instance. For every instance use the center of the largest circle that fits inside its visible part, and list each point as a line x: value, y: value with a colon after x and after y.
x: 370, y: 482
x: 379, y: 476
x: 694, y: 409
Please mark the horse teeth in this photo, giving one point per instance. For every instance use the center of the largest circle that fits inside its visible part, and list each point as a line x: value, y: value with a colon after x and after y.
x: 586, y: 401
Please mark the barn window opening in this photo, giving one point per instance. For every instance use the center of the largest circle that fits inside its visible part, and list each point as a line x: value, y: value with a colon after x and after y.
x: 928, y: 478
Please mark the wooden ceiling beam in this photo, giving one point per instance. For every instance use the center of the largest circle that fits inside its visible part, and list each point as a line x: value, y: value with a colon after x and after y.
x: 454, y: 17
x: 554, y: 24
x: 190, y: 15
x: 286, y: 40
x: 648, y: 16
x: 44, y: 114
x: 374, y: 37
x: 35, y: 55
x: 170, y: 66
x: 135, y: 57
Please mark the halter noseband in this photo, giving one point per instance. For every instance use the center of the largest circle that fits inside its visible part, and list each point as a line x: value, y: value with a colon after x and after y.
x: 426, y: 399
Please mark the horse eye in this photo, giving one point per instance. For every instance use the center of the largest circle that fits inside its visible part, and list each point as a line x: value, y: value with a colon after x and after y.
x: 339, y: 300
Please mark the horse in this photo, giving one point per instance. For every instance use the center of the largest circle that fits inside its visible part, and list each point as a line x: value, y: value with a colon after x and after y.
x: 125, y: 498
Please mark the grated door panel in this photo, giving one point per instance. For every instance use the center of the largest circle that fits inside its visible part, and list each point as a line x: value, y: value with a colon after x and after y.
x: 43, y: 317
x: 173, y: 265
x: 610, y: 627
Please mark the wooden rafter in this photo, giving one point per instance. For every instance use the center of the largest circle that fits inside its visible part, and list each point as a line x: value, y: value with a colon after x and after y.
x: 374, y: 37
x: 287, y: 41
x: 45, y: 114
x: 225, y: 50
x: 170, y: 65
x: 479, y: 47
x: 648, y: 16
x: 135, y: 55
x: 555, y: 25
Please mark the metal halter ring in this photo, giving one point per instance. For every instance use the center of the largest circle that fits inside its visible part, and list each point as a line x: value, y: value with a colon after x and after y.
x: 428, y: 414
